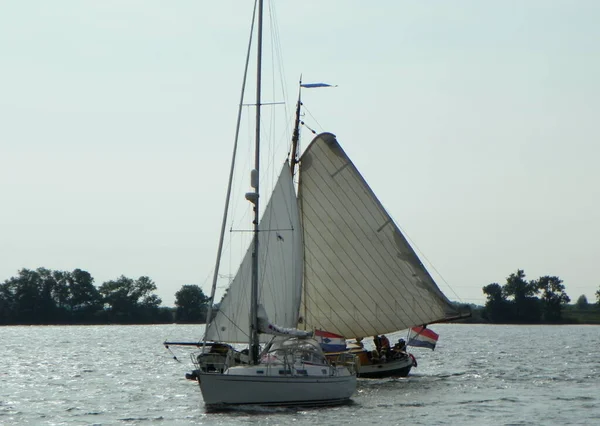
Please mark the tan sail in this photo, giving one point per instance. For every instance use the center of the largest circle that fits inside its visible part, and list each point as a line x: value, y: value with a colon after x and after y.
x: 361, y: 276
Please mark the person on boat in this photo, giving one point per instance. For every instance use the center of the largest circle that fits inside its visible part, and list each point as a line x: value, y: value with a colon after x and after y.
x: 385, y: 344
x: 400, y: 346
x: 377, y: 343
x: 399, y: 349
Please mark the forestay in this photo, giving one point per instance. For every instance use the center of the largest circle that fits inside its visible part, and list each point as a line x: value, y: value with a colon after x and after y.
x: 361, y: 276
x: 280, y: 270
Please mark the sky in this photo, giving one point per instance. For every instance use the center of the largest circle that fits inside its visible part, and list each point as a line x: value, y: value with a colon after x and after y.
x: 475, y: 123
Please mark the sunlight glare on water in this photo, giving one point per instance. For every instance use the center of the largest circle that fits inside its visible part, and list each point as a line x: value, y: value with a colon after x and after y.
x: 478, y: 374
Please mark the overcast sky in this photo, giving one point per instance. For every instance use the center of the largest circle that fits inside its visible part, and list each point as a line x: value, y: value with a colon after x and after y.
x: 475, y: 122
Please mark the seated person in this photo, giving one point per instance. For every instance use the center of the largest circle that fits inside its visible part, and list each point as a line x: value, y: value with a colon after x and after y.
x: 385, y: 344
x: 377, y: 343
x: 400, y: 346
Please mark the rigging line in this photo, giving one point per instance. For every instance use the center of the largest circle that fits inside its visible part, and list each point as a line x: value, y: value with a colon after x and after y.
x: 307, y: 126
x: 435, y: 289
x: 428, y: 261
x: 244, y: 332
x: 172, y: 353
x: 218, y: 332
x: 391, y: 241
x: 223, y: 309
x: 277, y: 65
x: 267, y: 168
x: 307, y: 111
x: 239, y: 203
x: 279, y: 51
x: 273, y: 115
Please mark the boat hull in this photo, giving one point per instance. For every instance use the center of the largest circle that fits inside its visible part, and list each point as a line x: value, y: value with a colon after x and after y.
x: 392, y: 368
x: 369, y: 369
x: 222, y: 390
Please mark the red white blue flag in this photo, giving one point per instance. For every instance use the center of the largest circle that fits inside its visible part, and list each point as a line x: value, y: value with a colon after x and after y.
x: 423, y: 337
x: 330, y: 342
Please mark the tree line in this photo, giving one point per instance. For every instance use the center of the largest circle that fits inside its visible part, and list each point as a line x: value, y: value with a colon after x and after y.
x: 44, y: 296
x: 542, y: 300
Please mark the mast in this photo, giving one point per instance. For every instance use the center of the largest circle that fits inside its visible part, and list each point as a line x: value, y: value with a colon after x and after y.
x: 254, y: 343
x: 296, y: 133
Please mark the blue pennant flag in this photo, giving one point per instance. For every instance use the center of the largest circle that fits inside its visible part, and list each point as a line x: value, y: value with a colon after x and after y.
x: 313, y: 85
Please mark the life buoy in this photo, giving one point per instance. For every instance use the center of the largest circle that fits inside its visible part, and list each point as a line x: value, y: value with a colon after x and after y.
x: 414, y: 360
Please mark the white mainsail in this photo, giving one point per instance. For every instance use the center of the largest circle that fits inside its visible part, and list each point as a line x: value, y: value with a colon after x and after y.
x: 361, y: 276
x: 280, y: 270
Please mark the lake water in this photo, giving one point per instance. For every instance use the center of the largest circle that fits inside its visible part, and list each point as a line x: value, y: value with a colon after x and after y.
x: 478, y: 374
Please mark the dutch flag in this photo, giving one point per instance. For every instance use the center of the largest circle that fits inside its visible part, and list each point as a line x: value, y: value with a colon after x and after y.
x: 330, y: 342
x: 424, y: 338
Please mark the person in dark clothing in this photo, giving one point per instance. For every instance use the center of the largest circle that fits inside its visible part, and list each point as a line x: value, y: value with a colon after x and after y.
x: 385, y: 345
x: 400, y: 346
x: 377, y: 343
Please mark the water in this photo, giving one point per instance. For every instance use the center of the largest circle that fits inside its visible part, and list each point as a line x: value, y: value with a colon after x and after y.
x: 478, y: 374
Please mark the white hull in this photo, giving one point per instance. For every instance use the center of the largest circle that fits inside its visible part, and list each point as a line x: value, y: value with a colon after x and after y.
x: 225, y: 389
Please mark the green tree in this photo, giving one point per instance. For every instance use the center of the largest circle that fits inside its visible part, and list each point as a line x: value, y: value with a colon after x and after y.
x: 82, y: 290
x: 130, y: 300
x: 116, y: 295
x: 7, y: 304
x: 553, y: 296
x: 60, y: 291
x: 32, y: 294
x: 526, y: 307
x: 143, y: 289
x: 83, y: 297
x: 582, y: 302
x: 496, y: 307
x: 517, y: 287
x: 43, y: 296
x: 191, y: 303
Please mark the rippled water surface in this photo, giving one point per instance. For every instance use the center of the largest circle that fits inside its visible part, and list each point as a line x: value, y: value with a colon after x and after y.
x: 478, y: 374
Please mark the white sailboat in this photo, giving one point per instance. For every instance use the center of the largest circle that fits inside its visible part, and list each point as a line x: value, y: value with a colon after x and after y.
x: 361, y: 276
x: 290, y: 367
